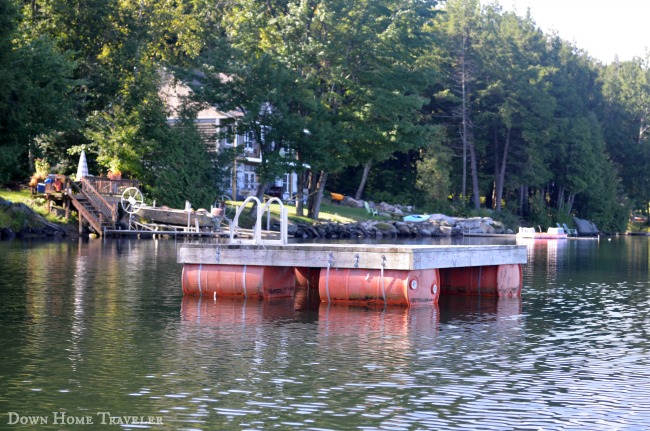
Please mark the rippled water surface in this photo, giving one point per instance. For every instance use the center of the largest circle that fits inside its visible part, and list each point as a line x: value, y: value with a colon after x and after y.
x: 90, y: 327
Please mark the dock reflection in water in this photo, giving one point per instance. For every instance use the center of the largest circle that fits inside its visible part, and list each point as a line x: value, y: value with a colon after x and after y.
x: 345, y: 367
x: 202, y: 311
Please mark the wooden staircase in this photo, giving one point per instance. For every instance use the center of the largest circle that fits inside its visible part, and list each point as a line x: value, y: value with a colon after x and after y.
x: 92, y: 207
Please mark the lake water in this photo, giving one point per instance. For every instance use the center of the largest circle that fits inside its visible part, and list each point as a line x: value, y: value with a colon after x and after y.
x: 96, y: 333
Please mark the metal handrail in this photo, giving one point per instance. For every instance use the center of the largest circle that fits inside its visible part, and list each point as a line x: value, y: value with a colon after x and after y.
x: 257, y: 229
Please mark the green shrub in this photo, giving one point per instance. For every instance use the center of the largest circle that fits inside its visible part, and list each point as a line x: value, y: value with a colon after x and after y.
x: 11, y: 220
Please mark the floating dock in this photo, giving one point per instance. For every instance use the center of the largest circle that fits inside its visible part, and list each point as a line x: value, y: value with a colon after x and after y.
x: 355, y: 273
x: 366, y: 274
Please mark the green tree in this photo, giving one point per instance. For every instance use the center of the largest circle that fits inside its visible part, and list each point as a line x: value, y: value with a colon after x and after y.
x: 459, y: 28
x: 179, y: 167
x: 512, y: 104
x: 118, y: 47
x: 626, y: 123
x: 356, y: 61
x: 35, y: 94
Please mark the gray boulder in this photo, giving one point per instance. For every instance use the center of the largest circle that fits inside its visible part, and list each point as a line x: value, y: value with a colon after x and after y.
x: 351, y: 202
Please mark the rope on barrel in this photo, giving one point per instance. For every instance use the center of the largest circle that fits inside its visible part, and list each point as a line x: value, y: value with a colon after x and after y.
x: 243, y: 280
x: 330, y: 260
x: 200, y: 290
x: 383, y: 289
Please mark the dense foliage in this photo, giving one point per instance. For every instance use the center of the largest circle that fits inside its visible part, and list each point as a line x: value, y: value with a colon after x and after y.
x: 445, y: 105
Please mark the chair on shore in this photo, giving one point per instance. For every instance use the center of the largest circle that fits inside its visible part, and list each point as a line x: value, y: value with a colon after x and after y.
x: 569, y: 231
x: 372, y: 211
x: 336, y: 197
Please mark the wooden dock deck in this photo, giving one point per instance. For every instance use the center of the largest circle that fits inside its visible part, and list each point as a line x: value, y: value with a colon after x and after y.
x: 368, y: 256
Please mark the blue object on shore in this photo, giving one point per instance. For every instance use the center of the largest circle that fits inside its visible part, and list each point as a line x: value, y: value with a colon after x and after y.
x: 416, y: 217
x: 40, y: 188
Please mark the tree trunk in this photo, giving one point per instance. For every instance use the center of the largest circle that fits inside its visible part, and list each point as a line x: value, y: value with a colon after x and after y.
x: 476, y: 198
x: 465, y: 115
x: 560, y: 198
x: 495, y: 184
x: 501, y: 179
x: 259, y: 194
x: 299, y: 197
x: 311, y: 189
x: 569, y: 202
x: 316, y: 197
x: 364, y: 179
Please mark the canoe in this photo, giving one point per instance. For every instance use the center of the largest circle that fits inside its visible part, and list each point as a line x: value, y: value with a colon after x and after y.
x: 416, y: 218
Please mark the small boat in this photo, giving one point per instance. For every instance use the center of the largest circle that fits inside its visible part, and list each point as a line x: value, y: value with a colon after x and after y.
x: 176, y: 217
x: 416, y: 218
x: 551, y: 233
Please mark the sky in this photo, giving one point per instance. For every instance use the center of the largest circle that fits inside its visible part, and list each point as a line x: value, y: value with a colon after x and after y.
x: 603, y: 28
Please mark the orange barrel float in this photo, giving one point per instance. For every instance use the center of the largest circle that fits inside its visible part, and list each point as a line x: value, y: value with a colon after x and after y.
x: 306, y: 297
x: 307, y: 277
x: 492, y: 280
x: 238, y: 280
x: 374, y: 286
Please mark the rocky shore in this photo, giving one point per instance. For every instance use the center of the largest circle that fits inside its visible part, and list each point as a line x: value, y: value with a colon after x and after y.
x: 24, y: 222
x: 437, y: 225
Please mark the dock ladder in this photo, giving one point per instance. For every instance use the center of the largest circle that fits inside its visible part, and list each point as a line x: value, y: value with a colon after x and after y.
x: 257, y: 229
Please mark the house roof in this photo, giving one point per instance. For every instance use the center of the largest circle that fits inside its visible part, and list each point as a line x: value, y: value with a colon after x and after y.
x: 174, y: 93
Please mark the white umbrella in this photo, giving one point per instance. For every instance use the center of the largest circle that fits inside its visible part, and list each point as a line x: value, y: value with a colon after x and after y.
x: 82, y: 170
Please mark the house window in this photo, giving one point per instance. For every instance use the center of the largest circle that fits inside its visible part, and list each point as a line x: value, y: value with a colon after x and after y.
x: 249, y: 180
x: 249, y: 142
x: 227, y: 135
x: 287, y: 183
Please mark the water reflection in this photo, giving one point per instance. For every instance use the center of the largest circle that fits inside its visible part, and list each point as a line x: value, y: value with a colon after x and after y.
x: 95, y: 326
x: 545, y: 252
x: 222, y: 312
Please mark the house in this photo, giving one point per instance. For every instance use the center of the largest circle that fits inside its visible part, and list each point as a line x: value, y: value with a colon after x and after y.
x: 217, y: 128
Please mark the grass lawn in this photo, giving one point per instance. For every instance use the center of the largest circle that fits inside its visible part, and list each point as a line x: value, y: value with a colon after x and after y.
x: 328, y: 212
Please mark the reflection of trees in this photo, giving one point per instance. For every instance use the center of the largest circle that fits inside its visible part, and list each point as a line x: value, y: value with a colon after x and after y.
x: 78, y: 309
x: 638, y: 260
